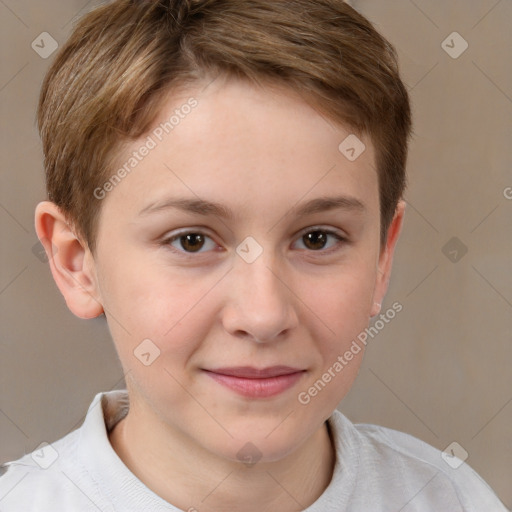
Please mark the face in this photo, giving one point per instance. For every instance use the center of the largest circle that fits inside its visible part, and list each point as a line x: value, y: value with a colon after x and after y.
x: 217, y: 250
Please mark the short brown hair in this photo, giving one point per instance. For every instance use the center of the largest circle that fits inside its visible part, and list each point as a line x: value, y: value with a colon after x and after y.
x: 111, y: 76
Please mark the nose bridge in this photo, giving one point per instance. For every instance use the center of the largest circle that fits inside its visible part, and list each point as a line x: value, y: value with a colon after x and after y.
x: 262, y: 306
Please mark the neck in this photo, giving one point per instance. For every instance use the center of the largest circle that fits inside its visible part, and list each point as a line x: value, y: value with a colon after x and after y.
x: 192, y: 478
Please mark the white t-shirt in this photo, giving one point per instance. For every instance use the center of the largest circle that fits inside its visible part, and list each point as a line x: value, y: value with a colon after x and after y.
x: 377, y: 470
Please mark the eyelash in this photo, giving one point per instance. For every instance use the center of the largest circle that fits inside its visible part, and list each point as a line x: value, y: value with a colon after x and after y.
x: 341, y: 240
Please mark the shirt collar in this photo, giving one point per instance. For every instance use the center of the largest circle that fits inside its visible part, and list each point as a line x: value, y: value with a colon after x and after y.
x: 126, y: 492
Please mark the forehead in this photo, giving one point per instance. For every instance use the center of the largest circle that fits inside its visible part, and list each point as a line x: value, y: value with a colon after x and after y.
x: 245, y: 146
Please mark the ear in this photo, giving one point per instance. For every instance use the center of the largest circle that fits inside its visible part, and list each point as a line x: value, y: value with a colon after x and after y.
x: 71, y: 262
x: 386, y: 258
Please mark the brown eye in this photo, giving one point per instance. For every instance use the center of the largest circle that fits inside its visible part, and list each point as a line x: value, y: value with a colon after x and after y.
x: 192, y: 242
x: 318, y: 240
x: 315, y: 240
x: 189, y: 242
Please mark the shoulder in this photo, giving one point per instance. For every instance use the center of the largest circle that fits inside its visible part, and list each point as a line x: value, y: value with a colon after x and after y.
x: 55, y: 475
x: 34, y: 481
x: 401, y: 466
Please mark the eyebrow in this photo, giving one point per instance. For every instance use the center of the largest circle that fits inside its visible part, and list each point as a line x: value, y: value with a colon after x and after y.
x: 203, y: 207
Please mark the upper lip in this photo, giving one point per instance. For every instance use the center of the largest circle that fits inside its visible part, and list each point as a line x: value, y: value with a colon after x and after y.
x: 249, y: 372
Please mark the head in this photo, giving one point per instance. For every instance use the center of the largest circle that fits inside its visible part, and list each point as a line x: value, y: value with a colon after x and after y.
x: 243, y: 108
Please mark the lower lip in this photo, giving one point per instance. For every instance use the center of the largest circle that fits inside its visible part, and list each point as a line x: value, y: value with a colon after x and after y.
x: 257, y: 388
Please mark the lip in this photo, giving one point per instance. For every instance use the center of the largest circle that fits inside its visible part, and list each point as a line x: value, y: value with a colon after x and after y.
x: 257, y: 383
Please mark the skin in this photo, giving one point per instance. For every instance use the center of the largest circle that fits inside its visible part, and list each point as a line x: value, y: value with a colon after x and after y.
x: 260, y: 152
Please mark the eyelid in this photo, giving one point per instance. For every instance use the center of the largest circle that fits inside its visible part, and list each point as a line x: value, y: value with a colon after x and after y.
x: 200, y: 230
x: 342, y: 239
x: 205, y: 231
x: 168, y: 238
x: 329, y: 230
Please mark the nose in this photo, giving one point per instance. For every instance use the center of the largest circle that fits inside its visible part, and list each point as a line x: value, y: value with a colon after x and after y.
x: 262, y: 305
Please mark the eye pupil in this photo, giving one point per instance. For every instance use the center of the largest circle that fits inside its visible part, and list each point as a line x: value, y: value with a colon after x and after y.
x: 187, y: 241
x: 316, y: 237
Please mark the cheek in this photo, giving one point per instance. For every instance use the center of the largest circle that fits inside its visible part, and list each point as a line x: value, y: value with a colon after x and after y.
x: 148, y: 302
x: 343, y: 309
x: 152, y: 297
x: 343, y: 306
x: 342, y: 301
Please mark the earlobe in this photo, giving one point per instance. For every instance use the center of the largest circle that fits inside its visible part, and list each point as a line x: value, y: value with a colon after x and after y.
x: 385, y: 261
x: 71, y: 262
x: 375, y: 309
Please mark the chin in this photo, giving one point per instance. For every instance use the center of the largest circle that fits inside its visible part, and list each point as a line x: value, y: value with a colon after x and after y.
x: 254, y: 446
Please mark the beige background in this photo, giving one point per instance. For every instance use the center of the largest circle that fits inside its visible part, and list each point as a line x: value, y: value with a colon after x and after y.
x: 439, y: 371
